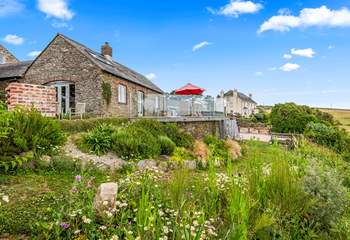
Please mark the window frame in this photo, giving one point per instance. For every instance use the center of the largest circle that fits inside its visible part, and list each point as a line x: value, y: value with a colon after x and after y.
x: 2, y: 58
x: 125, y: 94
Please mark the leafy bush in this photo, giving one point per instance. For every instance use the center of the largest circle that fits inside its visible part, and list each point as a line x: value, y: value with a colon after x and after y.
x: 84, y: 125
x: 99, y: 140
x: 156, y: 128
x: 330, y: 196
x: 291, y: 118
x: 65, y: 164
x: 135, y: 143
x: 181, y: 154
x: 218, y: 149
x: 24, y: 131
x: 167, y: 146
x: 332, y: 137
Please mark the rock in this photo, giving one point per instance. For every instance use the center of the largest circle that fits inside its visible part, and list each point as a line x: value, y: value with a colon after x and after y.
x: 146, y: 164
x: 163, y: 166
x: 190, y: 164
x: 105, y: 197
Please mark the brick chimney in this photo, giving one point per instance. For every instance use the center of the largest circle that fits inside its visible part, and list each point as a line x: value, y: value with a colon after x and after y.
x: 106, y: 50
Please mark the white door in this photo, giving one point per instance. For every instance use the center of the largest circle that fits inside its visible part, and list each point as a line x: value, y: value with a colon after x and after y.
x: 140, y: 103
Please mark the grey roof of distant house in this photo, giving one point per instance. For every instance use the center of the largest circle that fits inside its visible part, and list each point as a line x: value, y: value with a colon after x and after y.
x: 13, y: 70
x: 241, y: 96
x: 113, y: 67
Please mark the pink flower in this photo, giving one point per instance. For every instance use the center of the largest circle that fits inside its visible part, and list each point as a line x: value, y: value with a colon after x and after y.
x: 78, y: 178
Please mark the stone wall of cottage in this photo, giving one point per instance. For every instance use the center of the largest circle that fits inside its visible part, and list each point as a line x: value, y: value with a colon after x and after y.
x: 40, y: 97
x: 7, y: 56
x: 130, y: 108
x: 60, y: 61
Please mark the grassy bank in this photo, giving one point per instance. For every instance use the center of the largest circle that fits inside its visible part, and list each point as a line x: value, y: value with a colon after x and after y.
x: 269, y: 193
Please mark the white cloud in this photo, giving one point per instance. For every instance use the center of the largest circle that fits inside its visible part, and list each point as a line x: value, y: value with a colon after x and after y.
x: 288, y: 67
x: 200, y: 45
x: 308, y: 17
x: 287, y: 56
x: 151, y: 76
x: 272, y: 69
x: 10, y: 7
x: 307, y: 52
x: 259, y: 74
x: 55, y: 8
x: 238, y: 7
x: 13, y: 39
x: 330, y: 47
x: 33, y: 54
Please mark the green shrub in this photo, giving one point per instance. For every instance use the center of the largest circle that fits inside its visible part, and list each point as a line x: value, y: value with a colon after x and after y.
x: 291, y: 118
x: 329, y: 195
x: 181, y: 154
x: 167, y: 146
x: 156, y: 128
x: 65, y: 164
x: 180, y: 138
x: 218, y: 150
x: 329, y: 136
x: 24, y: 131
x: 135, y: 143
x: 84, y: 125
x: 99, y: 140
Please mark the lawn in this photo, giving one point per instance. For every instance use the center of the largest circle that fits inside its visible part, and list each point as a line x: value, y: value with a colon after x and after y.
x: 343, y: 116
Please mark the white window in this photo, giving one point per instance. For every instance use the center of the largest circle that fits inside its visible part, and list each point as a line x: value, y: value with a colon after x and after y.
x: 121, y: 93
x: 2, y: 58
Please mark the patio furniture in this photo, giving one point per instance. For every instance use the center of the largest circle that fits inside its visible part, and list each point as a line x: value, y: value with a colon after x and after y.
x: 79, y: 110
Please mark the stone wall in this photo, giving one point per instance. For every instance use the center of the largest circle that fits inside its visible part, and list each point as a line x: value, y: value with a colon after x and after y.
x: 40, y: 97
x: 61, y: 61
x: 8, y: 57
x: 130, y: 108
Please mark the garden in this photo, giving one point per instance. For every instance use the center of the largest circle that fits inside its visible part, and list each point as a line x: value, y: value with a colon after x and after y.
x: 194, y: 189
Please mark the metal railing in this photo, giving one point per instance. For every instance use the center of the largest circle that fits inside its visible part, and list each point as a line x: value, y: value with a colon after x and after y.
x: 182, y: 105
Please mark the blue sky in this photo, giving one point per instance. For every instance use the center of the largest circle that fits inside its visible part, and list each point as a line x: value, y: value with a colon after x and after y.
x: 277, y: 50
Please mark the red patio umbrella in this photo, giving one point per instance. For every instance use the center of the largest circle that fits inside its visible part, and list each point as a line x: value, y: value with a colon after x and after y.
x: 189, y: 89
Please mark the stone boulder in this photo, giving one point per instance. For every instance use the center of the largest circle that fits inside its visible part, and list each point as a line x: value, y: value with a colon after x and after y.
x: 190, y: 164
x: 147, y: 164
x: 105, y: 197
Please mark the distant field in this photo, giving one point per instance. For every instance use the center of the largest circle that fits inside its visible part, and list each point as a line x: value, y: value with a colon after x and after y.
x: 342, y: 115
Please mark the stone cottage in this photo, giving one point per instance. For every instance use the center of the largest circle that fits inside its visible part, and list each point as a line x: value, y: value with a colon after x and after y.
x: 235, y: 102
x: 83, y: 76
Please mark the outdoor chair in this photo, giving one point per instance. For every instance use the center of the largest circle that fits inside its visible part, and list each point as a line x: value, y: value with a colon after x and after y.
x: 79, y: 110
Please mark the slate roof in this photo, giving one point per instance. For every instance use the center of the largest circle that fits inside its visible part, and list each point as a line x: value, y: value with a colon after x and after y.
x: 113, y: 67
x: 13, y: 70
x: 241, y: 96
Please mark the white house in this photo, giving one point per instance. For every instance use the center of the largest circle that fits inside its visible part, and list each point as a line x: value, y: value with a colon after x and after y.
x: 235, y: 102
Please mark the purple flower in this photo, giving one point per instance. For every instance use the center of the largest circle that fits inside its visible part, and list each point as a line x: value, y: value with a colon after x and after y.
x: 78, y: 178
x: 64, y: 225
x: 74, y: 189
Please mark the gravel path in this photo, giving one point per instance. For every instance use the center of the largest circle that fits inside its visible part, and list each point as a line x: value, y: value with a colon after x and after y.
x: 259, y: 137
x: 109, y: 160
